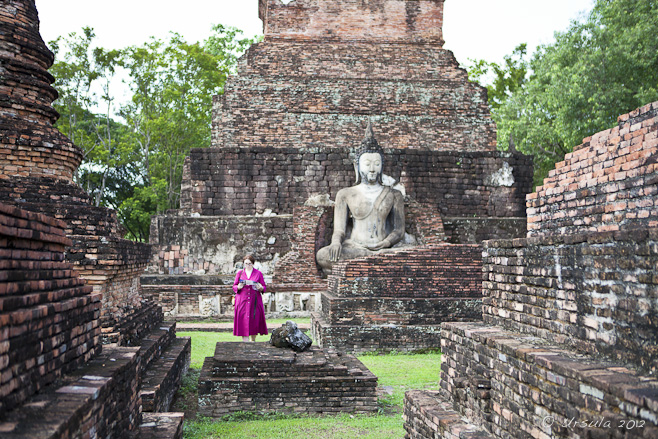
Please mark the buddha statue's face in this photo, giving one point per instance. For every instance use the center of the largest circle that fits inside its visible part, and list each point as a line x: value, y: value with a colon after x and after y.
x: 370, y: 167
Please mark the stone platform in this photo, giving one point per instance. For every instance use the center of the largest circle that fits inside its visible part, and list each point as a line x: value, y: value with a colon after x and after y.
x: 260, y: 377
x: 397, y: 301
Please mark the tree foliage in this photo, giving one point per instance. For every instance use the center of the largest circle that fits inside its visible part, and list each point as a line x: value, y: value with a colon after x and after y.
x: 134, y: 151
x: 597, y: 69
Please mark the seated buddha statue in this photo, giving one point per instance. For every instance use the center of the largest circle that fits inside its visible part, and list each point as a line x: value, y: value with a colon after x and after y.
x: 374, y: 211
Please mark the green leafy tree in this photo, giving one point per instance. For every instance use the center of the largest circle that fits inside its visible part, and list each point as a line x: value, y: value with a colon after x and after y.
x: 135, y: 164
x: 83, y: 80
x: 173, y: 83
x: 228, y: 45
x: 507, y: 78
x: 170, y: 112
x: 74, y: 76
x: 598, y: 68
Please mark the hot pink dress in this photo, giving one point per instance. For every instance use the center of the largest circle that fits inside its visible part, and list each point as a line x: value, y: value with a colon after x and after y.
x: 247, y: 320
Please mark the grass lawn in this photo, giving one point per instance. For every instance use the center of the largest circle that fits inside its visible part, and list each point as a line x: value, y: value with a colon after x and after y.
x: 397, y: 373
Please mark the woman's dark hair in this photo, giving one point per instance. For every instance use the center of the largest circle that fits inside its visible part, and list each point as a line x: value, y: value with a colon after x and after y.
x: 251, y: 258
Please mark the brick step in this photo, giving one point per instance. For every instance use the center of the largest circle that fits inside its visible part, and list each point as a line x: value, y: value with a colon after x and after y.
x: 380, y: 337
x: 161, y: 426
x: 428, y: 416
x: 77, y: 405
x: 155, y: 342
x: 162, y: 378
x: 132, y: 328
x: 400, y: 310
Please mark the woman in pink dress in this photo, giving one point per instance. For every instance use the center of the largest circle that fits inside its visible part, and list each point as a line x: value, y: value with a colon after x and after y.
x: 249, y: 314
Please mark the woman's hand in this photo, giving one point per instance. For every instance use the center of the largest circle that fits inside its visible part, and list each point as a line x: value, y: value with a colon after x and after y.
x: 240, y: 285
x: 258, y: 286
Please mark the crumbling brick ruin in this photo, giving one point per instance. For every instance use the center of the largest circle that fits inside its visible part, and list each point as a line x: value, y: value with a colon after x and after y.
x: 70, y: 297
x: 281, y: 140
x: 395, y: 301
x: 568, y: 346
x: 257, y: 376
x: 37, y: 280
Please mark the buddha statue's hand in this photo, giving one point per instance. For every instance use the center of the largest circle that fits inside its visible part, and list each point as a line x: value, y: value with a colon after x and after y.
x: 380, y: 245
x: 334, y: 251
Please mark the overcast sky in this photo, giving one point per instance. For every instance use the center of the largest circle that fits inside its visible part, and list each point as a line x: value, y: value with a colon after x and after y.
x: 477, y: 29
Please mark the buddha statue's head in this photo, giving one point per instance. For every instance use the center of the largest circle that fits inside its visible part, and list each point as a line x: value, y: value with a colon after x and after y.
x: 369, y: 159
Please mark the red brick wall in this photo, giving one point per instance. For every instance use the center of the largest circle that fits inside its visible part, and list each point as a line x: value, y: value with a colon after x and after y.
x: 593, y: 292
x: 246, y: 181
x: 610, y: 182
x: 586, y: 275
x: 389, y: 20
x: 112, y: 266
x: 60, y: 199
x: 49, y: 322
x: 427, y: 272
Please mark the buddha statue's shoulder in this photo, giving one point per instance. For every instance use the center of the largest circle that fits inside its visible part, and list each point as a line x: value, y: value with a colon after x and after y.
x: 347, y: 192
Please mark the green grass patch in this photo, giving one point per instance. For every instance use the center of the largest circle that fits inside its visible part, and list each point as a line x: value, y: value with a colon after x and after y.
x: 396, y: 373
x: 404, y: 372
x: 203, y: 344
x: 299, y: 427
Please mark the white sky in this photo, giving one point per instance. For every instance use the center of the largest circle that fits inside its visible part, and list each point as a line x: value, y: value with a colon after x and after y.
x: 479, y: 29
x: 473, y: 29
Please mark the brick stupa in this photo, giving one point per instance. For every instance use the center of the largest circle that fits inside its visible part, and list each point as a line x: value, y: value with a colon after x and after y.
x: 37, y: 164
x: 323, y: 66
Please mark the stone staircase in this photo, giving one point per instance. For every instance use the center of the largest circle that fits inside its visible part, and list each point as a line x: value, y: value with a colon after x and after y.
x: 136, y: 382
x: 78, y: 405
x: 163, y: 374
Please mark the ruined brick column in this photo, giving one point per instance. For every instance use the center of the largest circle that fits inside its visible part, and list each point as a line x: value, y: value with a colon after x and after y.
x: 37, y: 165
x: 29, y: 144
